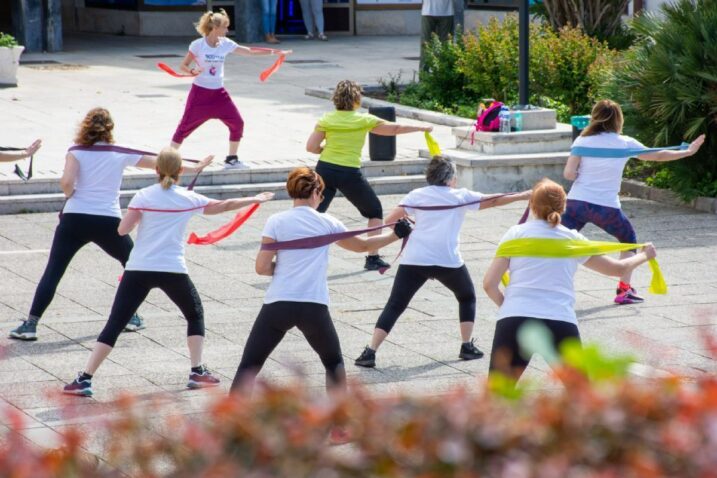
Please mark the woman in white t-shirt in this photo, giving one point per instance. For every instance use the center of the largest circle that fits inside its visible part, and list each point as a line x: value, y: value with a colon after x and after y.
x: 162, y: 212
x: 298, y: 295
x: 594, y: 196
x: 541, y: 289
x: 433, y: 252
x: 91, y: 181
x: 208, y: 99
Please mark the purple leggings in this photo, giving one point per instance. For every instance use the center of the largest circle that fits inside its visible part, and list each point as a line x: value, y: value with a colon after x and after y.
x: 204, y: 104
x: 609, y: 219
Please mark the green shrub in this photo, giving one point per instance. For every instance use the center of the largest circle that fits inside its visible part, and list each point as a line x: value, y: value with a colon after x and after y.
x: 668, y: 83
x: 567, y: 69
x: 7, y: 40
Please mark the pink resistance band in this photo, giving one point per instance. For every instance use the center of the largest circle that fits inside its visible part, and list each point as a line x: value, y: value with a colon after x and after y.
x: 312, y: 242
x: 121, y: 149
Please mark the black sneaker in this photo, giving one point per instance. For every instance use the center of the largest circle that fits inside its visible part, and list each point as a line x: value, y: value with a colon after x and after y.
x: 374, y: 263
x: 469, y: 351
x: 202, y: 379
x: 26, y: 331
x: 79, y: 387
x: 367, y: 358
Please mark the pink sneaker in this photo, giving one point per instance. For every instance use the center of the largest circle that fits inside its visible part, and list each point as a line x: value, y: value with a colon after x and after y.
x: 628, y: 296
x: 202, y: 379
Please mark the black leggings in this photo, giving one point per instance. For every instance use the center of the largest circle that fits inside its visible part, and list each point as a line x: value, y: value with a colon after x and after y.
x: 353, y: 185
x: 277, y: 318
x: 135, y: 287
x: 411, y: 278
x: 506, y: 357
x: 72, y: 234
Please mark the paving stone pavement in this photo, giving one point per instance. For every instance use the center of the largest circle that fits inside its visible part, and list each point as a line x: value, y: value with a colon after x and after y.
x: 419, y: 356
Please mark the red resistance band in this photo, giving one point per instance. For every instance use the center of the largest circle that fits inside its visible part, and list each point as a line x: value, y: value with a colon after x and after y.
x: 24, y: 176
x: 121, y: 149
x: 263, y: 76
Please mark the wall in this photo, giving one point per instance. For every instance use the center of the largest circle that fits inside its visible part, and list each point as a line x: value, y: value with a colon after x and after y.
x: 388, y: 22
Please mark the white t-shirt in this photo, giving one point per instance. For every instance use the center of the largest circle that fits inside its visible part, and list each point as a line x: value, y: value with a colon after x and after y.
x: 541, y: 288
x: 98, y: 182
x: 435, y: 238
x: 437, y: 8
x: 160, y: 236
x: 599, y: 179
x: 211, y: 61
x: 300, y: 274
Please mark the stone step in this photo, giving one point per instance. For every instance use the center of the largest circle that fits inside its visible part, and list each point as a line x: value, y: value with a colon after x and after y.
x: 535, y: 141
x: 491, y: 173
x: 52, y: 202
x: 136, y: 178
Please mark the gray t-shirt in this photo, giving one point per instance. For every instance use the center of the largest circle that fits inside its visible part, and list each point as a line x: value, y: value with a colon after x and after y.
x: 437, y: 8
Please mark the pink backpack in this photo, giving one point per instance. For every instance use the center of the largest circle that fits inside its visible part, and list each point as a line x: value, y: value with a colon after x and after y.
x: 488, y: 120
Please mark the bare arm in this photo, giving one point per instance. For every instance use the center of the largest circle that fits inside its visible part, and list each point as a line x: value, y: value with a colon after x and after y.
x: 503, y: 200
x: 313, y: 144
x: 614, y: 267
x: 242, y: 50
x: 186, y: 65
x: 129, y: 222
x: 218, y: 207
x: 395, y: 215
x: 69, y: 175
x: 361, y: 244
x: 674, y: 155
x: 491, y: 280
x: 18, y: 155
x: 393, y: 129
x: 571, y: 168
x: 264, y: 264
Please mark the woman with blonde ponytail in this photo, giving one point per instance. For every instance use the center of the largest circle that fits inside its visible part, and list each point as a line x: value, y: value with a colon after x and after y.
x: 91, y: 182
x: 162, y: 213
x: 593, y: 197
x: 541, y: 289
x: 207, y: 98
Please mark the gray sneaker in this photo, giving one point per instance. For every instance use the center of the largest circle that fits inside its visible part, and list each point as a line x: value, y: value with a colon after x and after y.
x: 26, y: 331
x: 234, y: 163
x: 135, y: 323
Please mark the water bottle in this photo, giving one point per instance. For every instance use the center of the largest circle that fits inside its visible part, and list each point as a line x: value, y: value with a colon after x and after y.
x: 504, y: 119
x: 518, y: 120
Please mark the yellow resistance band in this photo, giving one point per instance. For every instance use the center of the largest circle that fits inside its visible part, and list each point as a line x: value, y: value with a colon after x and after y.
x: 433, y: 148
x: 565, y: 248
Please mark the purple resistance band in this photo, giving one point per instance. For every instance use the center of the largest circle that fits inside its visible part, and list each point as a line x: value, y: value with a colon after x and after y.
x: 24, y: 176
x: 313, y: 242
x: 121, y: 149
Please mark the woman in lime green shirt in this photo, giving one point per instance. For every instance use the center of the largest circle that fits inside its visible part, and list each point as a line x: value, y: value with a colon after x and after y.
x: 343, y: 134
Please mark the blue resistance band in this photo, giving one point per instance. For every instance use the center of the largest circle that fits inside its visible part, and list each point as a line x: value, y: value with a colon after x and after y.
x: 620, y: 152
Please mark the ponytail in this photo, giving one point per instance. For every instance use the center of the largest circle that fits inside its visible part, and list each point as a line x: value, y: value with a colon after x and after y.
x: 211, y: 20
x: 548, y: 201
x: 169, y: 167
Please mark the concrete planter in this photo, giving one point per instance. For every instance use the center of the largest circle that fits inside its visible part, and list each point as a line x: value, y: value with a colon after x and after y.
x: 9, y: 62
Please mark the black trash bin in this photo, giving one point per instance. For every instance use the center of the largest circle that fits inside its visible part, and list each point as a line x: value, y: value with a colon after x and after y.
x: 382, y: 148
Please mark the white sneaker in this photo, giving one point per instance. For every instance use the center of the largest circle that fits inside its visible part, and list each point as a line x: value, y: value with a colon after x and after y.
x: 235, y: 164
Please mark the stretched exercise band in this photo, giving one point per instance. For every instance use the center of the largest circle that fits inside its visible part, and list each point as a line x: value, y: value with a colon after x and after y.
x: 226, y: 230
x: 621, y: 152
x: 567, y: 248
x: 121, y: 149
x: 265, y: 74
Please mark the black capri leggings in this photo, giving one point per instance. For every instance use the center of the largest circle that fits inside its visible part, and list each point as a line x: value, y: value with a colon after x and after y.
x: 506, y: 357
x: 277, y: 318
x: 411, y: 278
x: 72, y: 234
x: 352, y: 184
x: 135, y: 287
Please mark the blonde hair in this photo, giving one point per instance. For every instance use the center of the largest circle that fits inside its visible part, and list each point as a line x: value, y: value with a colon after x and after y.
x: 606, y: 117
x: 169, y: 166
x: 211, y: 20
x: 548, y: 201
x: 347, y: 95
x: 96, y: 126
